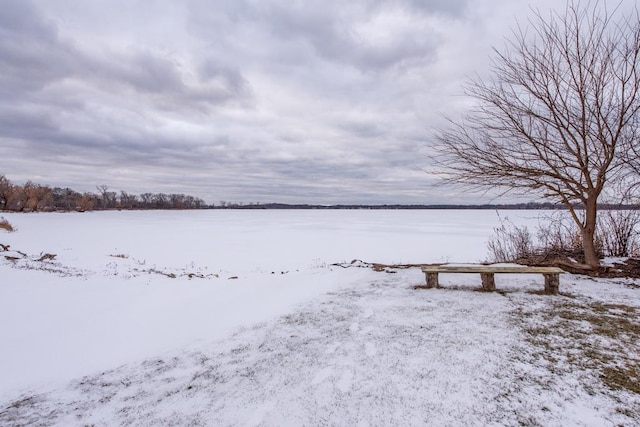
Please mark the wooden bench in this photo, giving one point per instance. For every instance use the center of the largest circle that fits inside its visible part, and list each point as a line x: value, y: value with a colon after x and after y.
x: 487, y: 272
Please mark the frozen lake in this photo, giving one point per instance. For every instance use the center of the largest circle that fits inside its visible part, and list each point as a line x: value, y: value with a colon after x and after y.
x: 112, y: 303
x: 269, y: 239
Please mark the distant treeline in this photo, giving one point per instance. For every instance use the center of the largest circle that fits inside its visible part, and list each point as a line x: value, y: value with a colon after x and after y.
x: 227, y: 205
x: 32, y: 197
x: 506, y: 206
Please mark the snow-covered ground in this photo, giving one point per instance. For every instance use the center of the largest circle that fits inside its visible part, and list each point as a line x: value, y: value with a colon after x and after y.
x: 242, y: 318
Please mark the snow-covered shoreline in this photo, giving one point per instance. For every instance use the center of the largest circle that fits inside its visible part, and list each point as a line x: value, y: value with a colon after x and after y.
x: 258, y: 328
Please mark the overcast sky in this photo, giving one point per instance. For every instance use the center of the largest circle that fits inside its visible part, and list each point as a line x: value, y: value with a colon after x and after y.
x: 328, y: 101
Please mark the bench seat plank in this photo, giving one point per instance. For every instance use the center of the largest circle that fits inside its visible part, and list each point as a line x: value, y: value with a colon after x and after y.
x: 518, y: 269
x: 551, y: 274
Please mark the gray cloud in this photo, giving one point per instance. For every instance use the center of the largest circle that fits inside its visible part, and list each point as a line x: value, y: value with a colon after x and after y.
x: 238, y: 100
x: 369, y: 35
x: 31, y: 54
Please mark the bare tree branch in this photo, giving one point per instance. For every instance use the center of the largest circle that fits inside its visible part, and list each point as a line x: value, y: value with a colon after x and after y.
x: 559, y: 114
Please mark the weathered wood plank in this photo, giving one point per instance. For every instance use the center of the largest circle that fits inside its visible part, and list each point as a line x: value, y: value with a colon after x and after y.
x: 518, y: 269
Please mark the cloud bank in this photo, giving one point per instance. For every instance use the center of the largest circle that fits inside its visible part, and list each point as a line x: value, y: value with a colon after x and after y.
x: 240, y: 100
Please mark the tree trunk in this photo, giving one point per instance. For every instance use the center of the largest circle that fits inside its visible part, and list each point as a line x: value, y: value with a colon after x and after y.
x: 591, y: 257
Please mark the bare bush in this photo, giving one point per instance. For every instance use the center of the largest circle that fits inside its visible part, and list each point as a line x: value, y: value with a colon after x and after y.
x: 511, y: 242
x: 86, y: 202
x: 556, y: 236
x: 6, y: 225
x: 618, y: 230
x: 6, y: 189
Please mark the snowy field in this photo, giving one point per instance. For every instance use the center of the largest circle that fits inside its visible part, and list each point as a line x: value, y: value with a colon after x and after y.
x: 242, y: 318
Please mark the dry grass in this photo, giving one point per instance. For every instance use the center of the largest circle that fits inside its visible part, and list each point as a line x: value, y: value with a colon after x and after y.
x: 6, y: 225
x: 600, y: 341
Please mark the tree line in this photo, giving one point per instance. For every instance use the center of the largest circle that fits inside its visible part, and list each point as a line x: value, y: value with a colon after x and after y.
x: 33, y: 197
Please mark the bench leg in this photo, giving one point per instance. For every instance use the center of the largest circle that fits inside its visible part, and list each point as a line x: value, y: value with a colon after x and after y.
x: 432, y: 280
x: 551, y: 283
x: 488, y: 281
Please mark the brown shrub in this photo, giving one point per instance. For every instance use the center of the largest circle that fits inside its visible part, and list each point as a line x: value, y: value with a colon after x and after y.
x: 6, y: 225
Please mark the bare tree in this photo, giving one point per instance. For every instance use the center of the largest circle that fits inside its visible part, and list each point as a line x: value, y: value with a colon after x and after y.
x: 176, y: 201
x: 6, y: 189
x: 86, y: 202
x: 18, y: 198
x: 38, y: 196
x: 64, y: 199
x: 146, y: 200
x: 128, y: 201
x: 160, y: 200
x: 108, y: 199
x: 557, y: 114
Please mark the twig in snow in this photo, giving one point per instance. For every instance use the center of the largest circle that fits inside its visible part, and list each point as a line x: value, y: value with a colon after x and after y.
x: 46, y: 257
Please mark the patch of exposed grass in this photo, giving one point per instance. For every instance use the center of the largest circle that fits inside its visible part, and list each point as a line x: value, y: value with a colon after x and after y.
x: 624, y: 378
x: 598, y: 342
